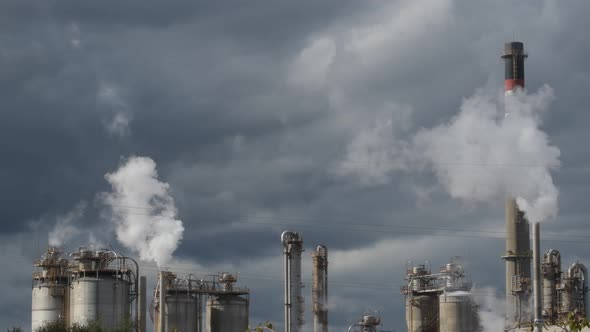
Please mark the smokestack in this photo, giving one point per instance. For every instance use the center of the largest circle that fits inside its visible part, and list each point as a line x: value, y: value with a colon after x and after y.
x: 294, y: 304
x: 141, y: 304
x: 162, y: 315
x: 514, y: 66
x: 537, y: 295
x: 518, y: 265
x: 319, y: 291
x: 517, y: 256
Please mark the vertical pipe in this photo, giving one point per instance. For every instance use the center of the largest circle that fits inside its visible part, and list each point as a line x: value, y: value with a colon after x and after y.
x: 538, y: 300
x: 162, y: 301
x: 287, y: 283
x: 199, y: 313
x: 141, y: 304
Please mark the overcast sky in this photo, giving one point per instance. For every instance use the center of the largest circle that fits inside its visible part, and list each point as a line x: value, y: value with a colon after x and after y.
x: 254, y: 112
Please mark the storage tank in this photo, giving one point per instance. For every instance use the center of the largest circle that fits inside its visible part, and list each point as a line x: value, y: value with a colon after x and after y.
x: 181, y: 312
x: 100, y: 290
x: 103, y: 297
x: 422, y: 313
x: 457, y: 313
x: 227, y: 313
x: 50, y: 290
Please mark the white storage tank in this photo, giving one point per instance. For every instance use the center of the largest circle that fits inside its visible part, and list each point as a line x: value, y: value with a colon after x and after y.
x: 103, y: 298
x: 50, y: 290
x: 100, y: 290
x: 227, y: 313
x: 458, y: 312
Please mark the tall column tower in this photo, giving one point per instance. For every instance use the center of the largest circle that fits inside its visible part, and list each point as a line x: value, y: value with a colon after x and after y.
x: 518, y: 246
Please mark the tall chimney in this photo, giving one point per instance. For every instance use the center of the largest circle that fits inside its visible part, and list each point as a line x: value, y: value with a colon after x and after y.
x: 514, y: 56
x: 294, y: 306
x: 319, y: 289
x: 518, y: 252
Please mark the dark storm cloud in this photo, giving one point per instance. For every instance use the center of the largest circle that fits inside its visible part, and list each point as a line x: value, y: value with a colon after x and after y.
x: 247, y: 109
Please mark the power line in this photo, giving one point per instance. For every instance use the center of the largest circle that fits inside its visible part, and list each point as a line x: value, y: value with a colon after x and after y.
x: 362, y: 227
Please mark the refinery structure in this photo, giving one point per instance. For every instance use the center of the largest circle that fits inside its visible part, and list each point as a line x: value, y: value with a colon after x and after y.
x: 100, y: 285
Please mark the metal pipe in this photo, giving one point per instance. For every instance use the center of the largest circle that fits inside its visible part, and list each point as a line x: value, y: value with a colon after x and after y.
x: 141, y: 301
x: 538, y: 299
x: 353, y: 325
x: 287, y: 282
x: 162, y: 301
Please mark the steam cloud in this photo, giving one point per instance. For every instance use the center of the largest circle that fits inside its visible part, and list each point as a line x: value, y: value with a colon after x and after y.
x: 493, y: 148
x: 65, y: 227
x: 143, y: 210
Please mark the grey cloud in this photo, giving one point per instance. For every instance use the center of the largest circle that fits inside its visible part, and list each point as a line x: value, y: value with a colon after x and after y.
x: 209, y: 90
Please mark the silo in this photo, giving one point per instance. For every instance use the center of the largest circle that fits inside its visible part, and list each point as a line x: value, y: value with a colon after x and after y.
x: 100, y: 290
x: 181, y: 312
x: 50, y: 290
x: 227, y: 313
x: 422, y: 313
x: 457, y: 312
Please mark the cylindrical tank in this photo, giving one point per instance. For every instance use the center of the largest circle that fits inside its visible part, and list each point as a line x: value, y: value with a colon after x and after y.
x: 103, y: 298
x: 457, y: 313
x: 227, y: 313
x: 50, y: 290
x: 48, y: 305
x: 181, y: 312
x: 422, y: 313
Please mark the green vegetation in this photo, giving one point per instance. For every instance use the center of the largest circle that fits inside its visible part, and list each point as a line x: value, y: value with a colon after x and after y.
x: 575, y: 323
x: 262, y: 327
x: 91, y: 326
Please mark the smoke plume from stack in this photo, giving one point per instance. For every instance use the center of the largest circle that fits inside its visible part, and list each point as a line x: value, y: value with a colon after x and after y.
x: 480, y: 154
x: 65, y: 227
x: 143, y: 210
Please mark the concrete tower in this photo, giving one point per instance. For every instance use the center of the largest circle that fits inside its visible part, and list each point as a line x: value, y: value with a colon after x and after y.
x: 518, y: 247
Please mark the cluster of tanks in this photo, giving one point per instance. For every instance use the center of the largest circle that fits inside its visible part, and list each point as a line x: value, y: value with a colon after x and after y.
x: 177, y: 304
x: 439, y: 302
x: 103, y: 287
x: 93, y: 285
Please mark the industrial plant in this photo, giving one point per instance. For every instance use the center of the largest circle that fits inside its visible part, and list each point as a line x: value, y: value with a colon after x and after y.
x: 100, y: 285
x: 439, y: 301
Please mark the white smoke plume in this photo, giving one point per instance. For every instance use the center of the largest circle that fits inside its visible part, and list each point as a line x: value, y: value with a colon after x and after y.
x: 491, y: 309
x: 143, y: 210
x: 493, y: 148
x: 65, y: 227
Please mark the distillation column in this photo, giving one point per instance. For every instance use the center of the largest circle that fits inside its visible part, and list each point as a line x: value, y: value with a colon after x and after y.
x: 294, y: 304
x: 319, y: 289
x: 518, y: 252
x: 551, y: 272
